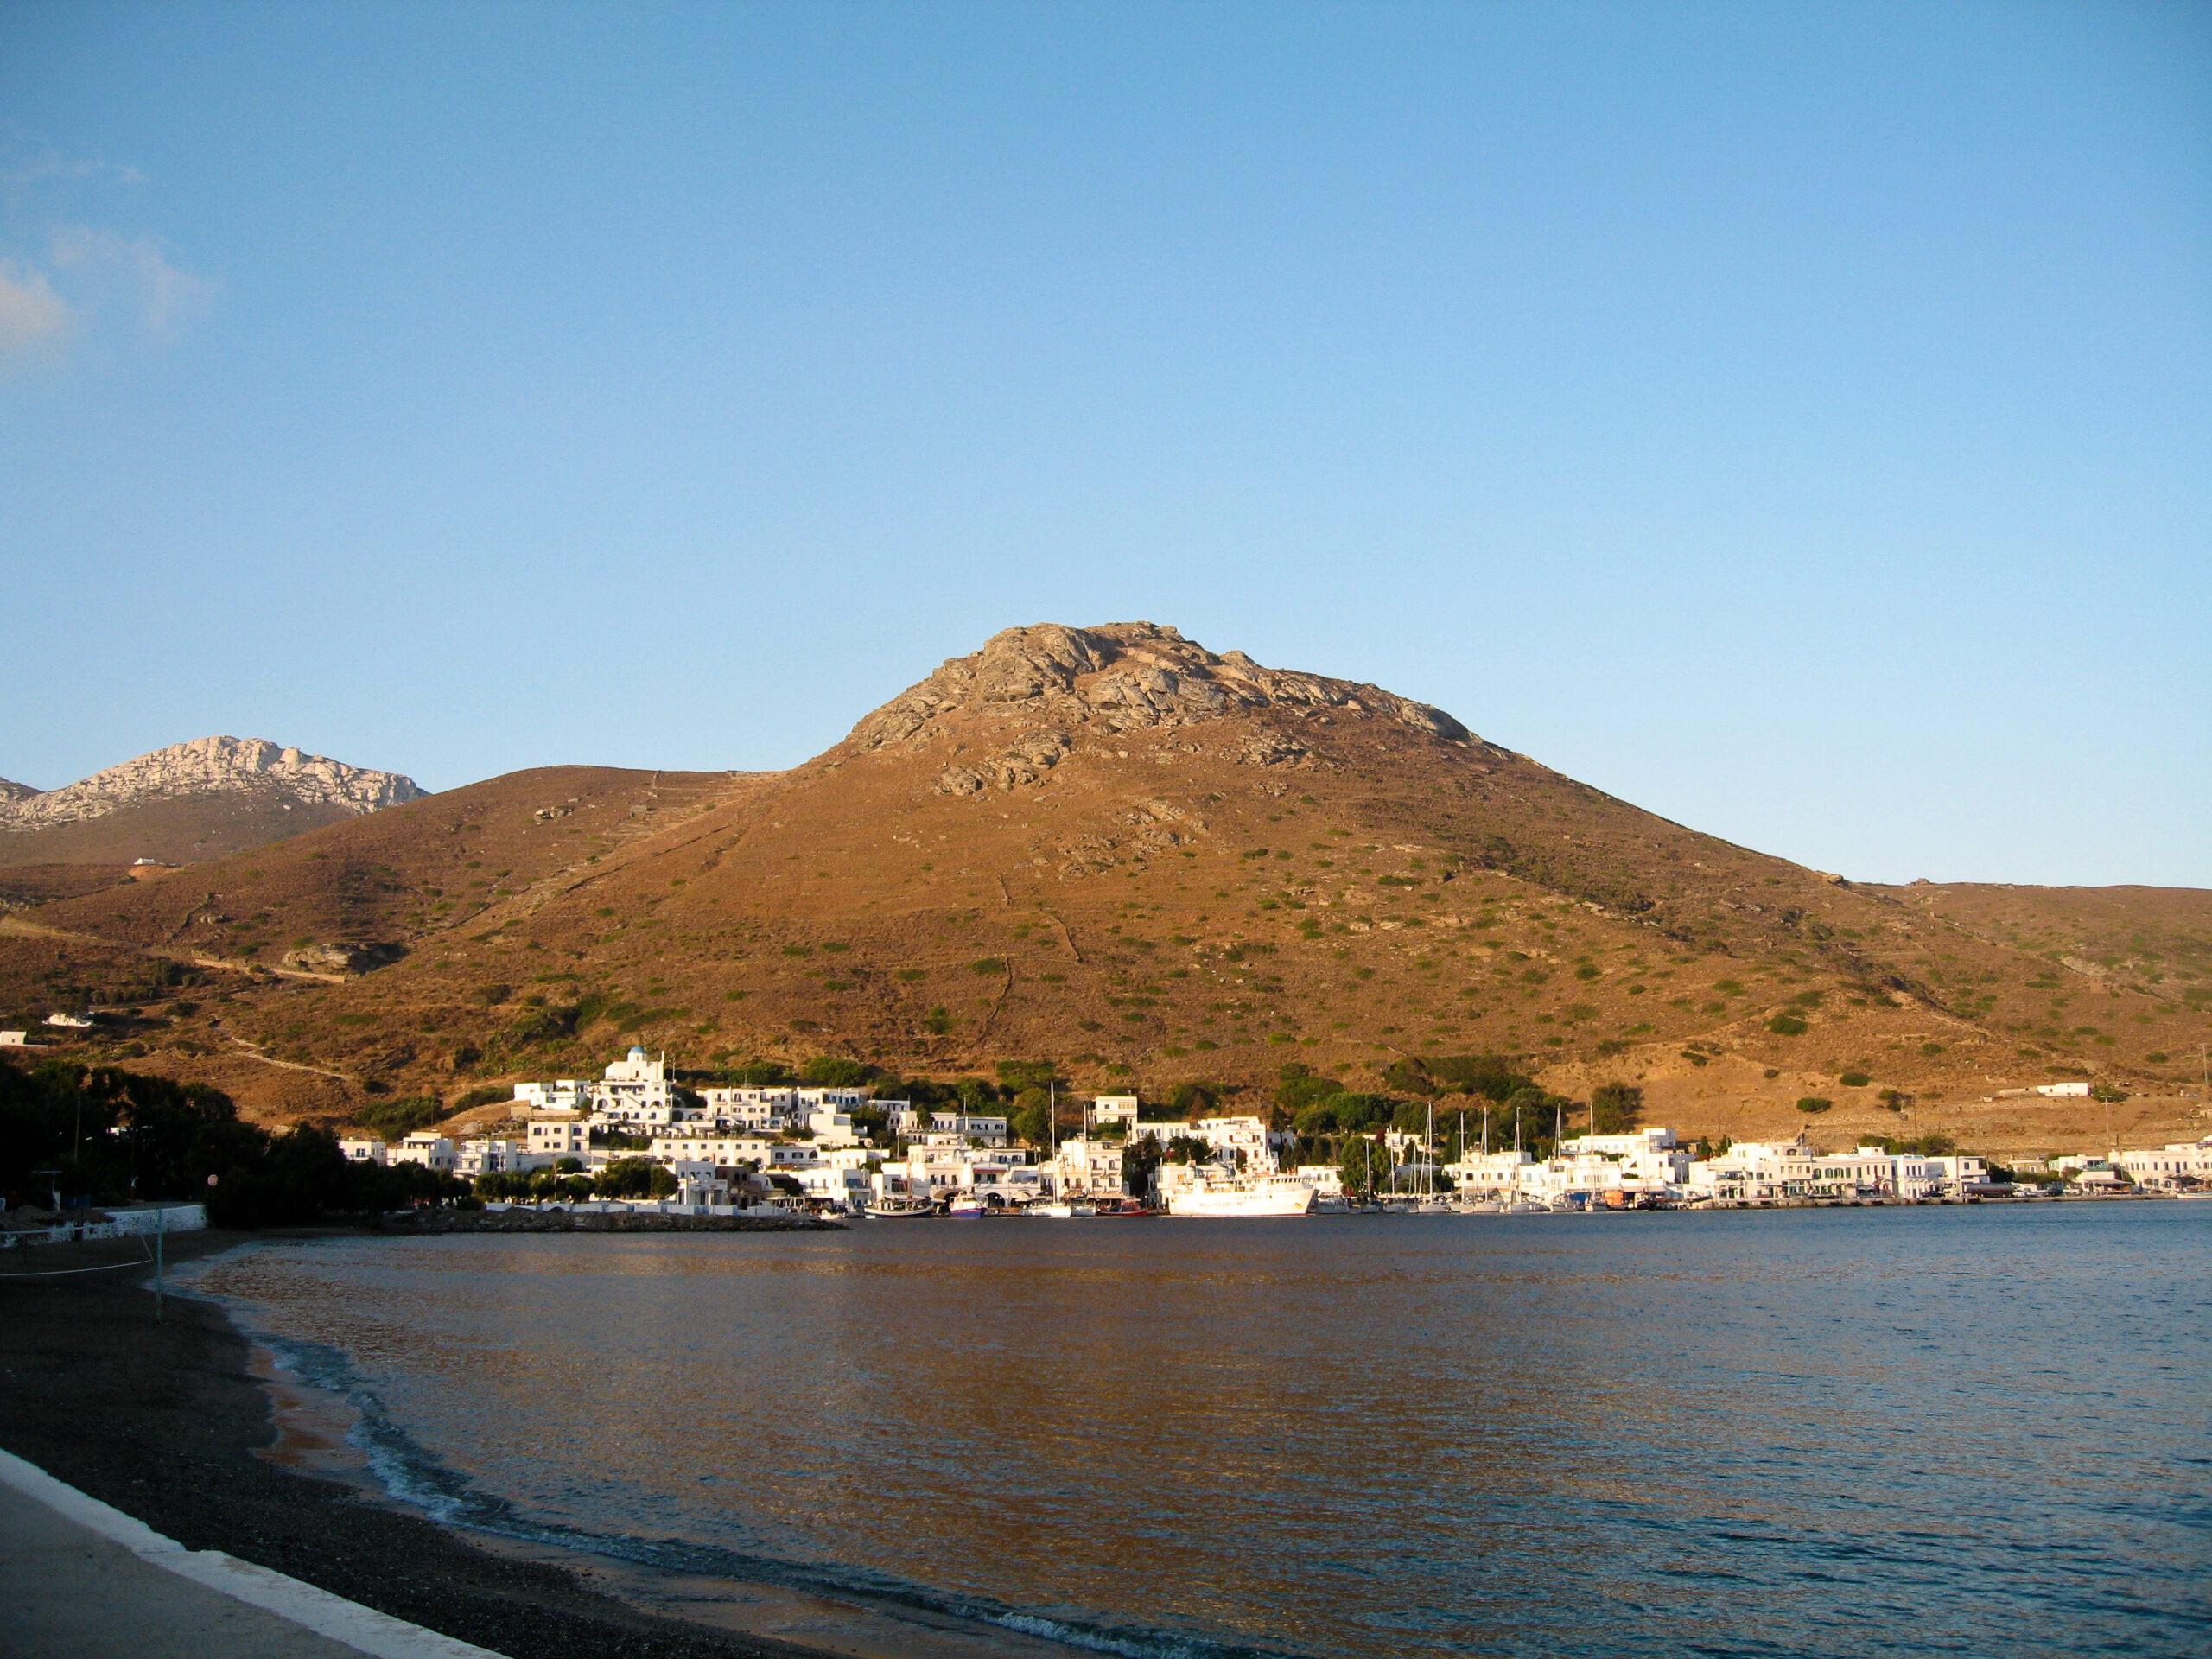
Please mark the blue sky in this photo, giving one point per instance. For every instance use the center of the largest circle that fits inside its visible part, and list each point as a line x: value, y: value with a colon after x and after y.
x: 1791, y: 419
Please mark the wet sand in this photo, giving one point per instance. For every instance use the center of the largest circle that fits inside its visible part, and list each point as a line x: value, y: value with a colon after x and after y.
x: 188, y: 1426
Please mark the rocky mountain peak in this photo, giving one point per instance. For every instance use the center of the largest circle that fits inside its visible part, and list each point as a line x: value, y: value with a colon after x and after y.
x: 1049, y: 685
x: 13, y: 791
x: 212, y: 765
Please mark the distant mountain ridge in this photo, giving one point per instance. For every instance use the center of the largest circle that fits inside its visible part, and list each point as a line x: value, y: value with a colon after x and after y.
x: 210, y: 765
x: 211, y: 795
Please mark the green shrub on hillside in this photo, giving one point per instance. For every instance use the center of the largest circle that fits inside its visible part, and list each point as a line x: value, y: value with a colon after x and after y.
x: 828, y: 1072
x: 394, y: 1118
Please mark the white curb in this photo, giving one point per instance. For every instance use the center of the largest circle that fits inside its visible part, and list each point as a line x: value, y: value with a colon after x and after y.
x: 377, y: 1634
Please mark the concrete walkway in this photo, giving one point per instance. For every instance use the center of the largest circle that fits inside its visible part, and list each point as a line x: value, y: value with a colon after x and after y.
x: 78, y: 1577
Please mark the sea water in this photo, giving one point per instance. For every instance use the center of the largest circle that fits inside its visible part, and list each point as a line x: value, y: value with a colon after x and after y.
x: 1974, y: 1429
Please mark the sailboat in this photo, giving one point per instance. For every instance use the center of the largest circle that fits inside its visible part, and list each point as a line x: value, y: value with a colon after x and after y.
x: 1488, y: 1203
x: 1515, y: 1205
x: 1432, y: 1201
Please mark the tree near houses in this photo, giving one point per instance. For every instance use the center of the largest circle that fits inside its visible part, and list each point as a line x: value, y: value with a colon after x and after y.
x: 1615, y: 1108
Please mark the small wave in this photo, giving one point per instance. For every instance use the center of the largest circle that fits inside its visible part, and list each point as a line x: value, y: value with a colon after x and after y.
x: 412, y: 1475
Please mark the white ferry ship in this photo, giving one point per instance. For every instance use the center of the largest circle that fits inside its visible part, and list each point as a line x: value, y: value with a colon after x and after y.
x: 1207, y: 1190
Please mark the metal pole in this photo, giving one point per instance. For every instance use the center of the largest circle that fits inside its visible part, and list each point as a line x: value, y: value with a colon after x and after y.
x: 161, y: 1227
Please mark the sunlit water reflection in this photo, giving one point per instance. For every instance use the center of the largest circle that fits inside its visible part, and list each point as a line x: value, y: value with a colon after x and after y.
x: 1824, y: 1432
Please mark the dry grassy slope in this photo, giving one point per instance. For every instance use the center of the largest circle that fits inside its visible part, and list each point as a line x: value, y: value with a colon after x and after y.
x: 2157, y: 940
x: 23, y: 886
x: 1052, y: 847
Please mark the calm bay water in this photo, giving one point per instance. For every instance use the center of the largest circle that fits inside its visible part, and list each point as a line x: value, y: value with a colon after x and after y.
x: 1837, y: 1432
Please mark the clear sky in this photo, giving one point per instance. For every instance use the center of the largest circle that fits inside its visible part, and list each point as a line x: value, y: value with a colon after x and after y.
x: 1791, y: 418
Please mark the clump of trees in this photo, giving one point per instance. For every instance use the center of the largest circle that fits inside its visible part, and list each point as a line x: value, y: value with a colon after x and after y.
x: 1935, y: 1145
x: 111, y: 1136
x: 565, y: 1180
x: 1616, y: 1107
x: 635, y: 1178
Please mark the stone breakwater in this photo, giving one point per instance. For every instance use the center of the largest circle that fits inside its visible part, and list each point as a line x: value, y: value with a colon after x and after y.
x: 213, y: 765
x: 565, y: 1221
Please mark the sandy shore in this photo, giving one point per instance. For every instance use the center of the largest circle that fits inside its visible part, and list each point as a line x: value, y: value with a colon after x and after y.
x: 164, y: 1422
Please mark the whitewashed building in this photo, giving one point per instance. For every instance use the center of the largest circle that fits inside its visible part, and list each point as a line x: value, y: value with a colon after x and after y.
x: 1490, y: 1172
x: 2177, y: 1166
x: 1084, y: 1168
x: 696, y: 1143
x: 431, y: 1151
x: 938, y: 1166
x: 565, y: 1136
x: 1754, y: 1172
x: 488, y: 1155
x: 1871, y: 1172
x: 749, y: 1108
x: 635, y: 1092
x: 842, y: 1176
x: 565, y: 1094
x: 1106, y: 1110
x: 985, y: 1127
x: 1243, y: 1143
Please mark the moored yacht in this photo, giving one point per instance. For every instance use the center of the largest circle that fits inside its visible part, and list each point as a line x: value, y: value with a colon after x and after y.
x: 1062, y: 1208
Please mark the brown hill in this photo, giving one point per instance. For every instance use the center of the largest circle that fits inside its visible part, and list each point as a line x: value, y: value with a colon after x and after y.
x: 1151, y: 862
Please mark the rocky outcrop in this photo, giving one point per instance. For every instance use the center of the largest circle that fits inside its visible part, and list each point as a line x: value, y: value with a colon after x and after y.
x: 17, y: 791
x: 213, y: 765
x: 1052, y: 685
x: 343, y: 958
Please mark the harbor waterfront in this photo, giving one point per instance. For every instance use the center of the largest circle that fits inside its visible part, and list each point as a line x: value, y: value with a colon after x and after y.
x: 1816, y: 1431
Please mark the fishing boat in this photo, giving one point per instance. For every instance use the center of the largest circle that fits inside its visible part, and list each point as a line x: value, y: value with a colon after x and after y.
x: 1062, y: 1208
x: 966, y: 1206
x: 898, y: 1209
